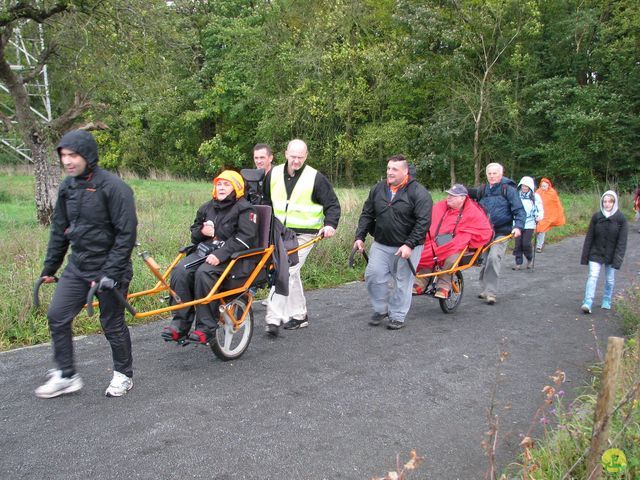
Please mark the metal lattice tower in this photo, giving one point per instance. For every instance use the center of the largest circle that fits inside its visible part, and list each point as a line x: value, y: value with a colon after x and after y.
x: 24, y: 50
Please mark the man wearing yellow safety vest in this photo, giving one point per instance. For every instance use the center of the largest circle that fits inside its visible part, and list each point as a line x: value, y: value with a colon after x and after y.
x: 304, y: 201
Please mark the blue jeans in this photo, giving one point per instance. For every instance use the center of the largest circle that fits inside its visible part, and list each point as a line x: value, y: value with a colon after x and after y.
x: 592, y: 282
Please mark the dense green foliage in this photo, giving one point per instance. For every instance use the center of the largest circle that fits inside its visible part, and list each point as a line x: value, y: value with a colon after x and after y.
x: 546, y: 87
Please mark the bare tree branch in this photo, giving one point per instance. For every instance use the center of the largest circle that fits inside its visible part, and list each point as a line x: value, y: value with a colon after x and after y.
x: 80, y: 105
x: 93, y: 126
x: 25, y: 11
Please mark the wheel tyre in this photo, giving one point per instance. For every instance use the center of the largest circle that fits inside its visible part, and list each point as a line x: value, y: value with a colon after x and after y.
x: 448, y: 305
x: 227, y: 343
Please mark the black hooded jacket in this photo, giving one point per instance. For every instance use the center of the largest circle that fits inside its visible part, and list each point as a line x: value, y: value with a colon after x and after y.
x: 94, y: 214
x: 235, y: 222
x: 606, y: 240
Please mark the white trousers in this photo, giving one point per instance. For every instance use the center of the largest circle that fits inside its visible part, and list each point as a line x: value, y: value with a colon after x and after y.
x: 280, y: 308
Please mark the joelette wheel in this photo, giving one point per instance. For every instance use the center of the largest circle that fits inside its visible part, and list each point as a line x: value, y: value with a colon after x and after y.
x: 230, y: 342
x: 449, y: 304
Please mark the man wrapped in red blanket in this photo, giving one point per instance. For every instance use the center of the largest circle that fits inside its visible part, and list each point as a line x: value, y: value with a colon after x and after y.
x: 456, y: 222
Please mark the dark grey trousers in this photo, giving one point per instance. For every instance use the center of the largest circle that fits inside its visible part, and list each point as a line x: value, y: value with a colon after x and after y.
x: 193, y: 283
x: 68, y: 300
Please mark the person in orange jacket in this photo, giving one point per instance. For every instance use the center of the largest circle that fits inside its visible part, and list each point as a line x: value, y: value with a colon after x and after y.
x: 553, y: 211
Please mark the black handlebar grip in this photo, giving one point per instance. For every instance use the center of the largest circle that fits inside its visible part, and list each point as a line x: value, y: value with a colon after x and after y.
x: 411, y: 267
x: 90, y: 295
x: 126, y: 304
x: 118, y: 295
x: 36, y: 292
x: 352, y: 259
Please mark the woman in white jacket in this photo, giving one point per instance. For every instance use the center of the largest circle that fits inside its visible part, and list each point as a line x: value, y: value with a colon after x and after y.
x: 532, y: 204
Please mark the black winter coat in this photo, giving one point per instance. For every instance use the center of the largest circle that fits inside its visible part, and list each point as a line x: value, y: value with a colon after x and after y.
x: 401, y: 221
x: 95, y: 215
x: 606, y: 240
x: 235, y: 222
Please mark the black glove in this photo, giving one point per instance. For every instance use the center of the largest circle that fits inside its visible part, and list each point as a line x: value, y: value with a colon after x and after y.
x: 106, y: 283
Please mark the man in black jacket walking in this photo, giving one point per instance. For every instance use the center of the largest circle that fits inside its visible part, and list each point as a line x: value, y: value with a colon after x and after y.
x: 398, y: 214
x: 95, y: 215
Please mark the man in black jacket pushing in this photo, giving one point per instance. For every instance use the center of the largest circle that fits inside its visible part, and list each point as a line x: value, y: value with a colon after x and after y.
x: 397, y: 214
x: 95, y: 215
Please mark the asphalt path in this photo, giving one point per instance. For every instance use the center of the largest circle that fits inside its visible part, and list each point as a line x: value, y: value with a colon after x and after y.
x: 336, y: 400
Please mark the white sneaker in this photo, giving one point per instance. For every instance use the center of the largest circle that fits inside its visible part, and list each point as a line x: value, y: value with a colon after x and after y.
x: 119, y: 386
x: 57, y: 385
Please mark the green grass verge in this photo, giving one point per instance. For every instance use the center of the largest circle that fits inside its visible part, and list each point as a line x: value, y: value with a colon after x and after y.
x: 562, y: 450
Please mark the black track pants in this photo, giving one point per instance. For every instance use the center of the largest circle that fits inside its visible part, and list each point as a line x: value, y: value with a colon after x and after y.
x: 68, y: 300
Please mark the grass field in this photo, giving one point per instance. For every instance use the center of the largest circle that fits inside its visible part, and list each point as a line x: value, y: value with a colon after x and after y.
x: 166, y: 209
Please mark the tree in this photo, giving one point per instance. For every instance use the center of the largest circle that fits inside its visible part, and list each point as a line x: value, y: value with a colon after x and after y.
x: 37, y: 135
x: 582, y: 101
x: 464, y: 43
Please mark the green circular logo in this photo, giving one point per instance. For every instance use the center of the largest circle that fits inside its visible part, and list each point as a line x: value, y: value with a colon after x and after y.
x: 614, y: 461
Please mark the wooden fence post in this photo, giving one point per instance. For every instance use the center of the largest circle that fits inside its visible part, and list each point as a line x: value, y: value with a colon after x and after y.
x: 604, y: 407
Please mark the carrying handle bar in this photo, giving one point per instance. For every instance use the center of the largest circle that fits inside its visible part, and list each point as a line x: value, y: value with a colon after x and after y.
x: 352, y: 257
x: 118, y: 295
x: 36, y: 290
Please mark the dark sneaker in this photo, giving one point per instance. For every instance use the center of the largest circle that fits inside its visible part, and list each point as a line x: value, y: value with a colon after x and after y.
x: 272, y: 330
x: 395, y: 324
x: 295, y: 323
x: 201, y: 336
x: 377, y: 318
x: 171, y: 334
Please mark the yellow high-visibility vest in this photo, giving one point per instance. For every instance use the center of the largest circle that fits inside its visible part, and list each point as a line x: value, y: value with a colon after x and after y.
x: 299, y: 211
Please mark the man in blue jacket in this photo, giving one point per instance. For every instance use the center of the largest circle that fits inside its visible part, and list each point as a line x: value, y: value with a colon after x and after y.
x: 500, y: 199
x: 95, y: 215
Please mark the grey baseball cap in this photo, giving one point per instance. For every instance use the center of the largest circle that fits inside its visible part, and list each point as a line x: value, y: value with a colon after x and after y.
x: 458, y: 190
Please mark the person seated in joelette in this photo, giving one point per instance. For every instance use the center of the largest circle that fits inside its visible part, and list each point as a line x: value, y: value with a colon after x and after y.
x: 456, y: 222
x: 224, y: 225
